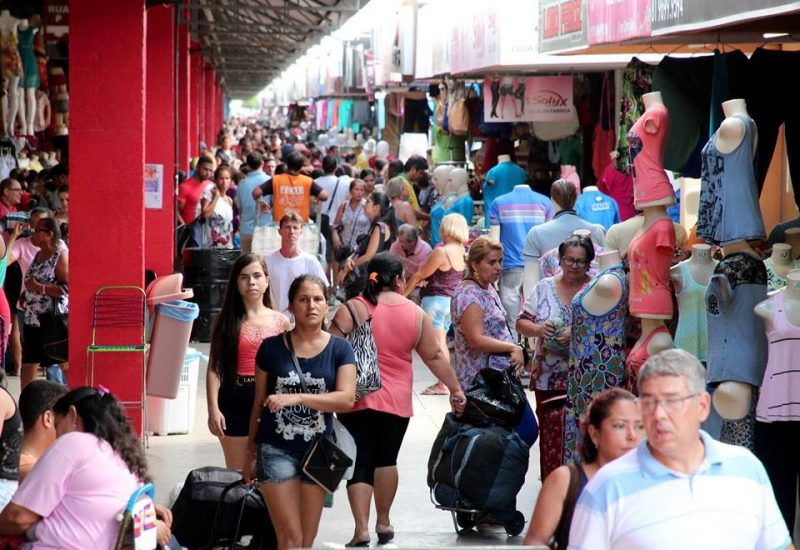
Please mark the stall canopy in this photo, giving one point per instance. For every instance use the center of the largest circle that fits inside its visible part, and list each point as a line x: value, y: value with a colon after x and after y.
x: 252, y: 41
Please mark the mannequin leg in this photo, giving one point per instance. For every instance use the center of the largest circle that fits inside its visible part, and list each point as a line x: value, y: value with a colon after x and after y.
x: 30, y: 109
x: 22, y: 112
x: 13, y: 103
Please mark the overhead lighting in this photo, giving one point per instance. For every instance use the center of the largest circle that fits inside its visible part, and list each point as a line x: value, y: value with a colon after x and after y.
x: 771, y: 35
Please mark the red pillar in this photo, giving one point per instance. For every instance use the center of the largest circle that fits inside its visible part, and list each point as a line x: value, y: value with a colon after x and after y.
x: 211, y: 126
x: 185, y: 150
x: 107, y: 106
x: 196, y: 99
x: 220, y: 107
x: 159, y: 238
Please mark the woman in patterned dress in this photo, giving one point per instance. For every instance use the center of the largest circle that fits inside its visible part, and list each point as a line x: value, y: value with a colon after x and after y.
x: 244, y: 322
x: 547, y: 315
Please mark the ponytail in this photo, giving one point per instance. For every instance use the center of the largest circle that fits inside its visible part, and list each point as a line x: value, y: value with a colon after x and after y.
x: 382, y: 273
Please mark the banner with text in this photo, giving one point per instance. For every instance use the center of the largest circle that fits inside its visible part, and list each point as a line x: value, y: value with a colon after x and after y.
x: 669, y: 16
x: 562, y: 25
x: 528, y: 99
x: 618, y: 20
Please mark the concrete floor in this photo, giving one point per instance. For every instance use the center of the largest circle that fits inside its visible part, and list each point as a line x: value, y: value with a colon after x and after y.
x: 417, y: 522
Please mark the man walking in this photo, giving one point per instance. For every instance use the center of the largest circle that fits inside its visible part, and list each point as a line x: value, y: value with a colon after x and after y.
x: 679, y: 488
x: 250, y: 213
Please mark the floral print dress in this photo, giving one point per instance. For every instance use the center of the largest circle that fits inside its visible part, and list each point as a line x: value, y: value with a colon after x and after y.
x: 597, y: 357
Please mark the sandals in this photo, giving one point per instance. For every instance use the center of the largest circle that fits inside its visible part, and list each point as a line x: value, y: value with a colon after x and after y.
x: 386, y: 537
x: 358, y: 543
x: 434, y: 389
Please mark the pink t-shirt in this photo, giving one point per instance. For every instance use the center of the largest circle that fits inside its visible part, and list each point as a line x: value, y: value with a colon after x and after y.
x: 250, y: 338
x: 394, y: 327
x: 78, y: 487
x: 646, y: 152
x: 190, y: 192
x: 649, y: 258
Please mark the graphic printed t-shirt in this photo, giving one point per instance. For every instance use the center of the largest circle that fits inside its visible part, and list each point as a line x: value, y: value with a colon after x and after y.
x: 596, y: 207
x: 291, y: 192
x: 293, y: 428
x: 649, y: 257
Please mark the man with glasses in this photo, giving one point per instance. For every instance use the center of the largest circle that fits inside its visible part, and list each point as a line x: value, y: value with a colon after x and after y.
x: 413, y: 250
x: 10, y: 197
x: 679, y: 488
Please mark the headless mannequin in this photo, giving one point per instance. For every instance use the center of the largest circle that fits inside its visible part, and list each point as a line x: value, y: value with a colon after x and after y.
x: 701, y: 267
x: 26, y: 98
x: 494, y: 230
x: 782, y: 259
x: 651, y: 322
x: 621, y: 234
x: 791, y: 301
x: 793, y: 240
x: 382, y: 150
x: 590, y: 188
x: 8, y: 26
x: 607, y: 291
x: 650, y: 100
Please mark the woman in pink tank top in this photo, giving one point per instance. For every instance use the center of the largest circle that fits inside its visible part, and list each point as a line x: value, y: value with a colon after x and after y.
x: 244, y: 322
x: 379, y: 420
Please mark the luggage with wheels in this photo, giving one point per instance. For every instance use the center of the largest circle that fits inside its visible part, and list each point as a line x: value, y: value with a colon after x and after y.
x: 216, y: 509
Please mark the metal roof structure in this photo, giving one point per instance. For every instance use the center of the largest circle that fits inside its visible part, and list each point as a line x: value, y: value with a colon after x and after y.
x: 251, y: 41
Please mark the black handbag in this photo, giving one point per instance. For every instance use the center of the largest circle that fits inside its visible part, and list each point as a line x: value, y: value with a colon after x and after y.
x: 495, y: 398
x: 55, y: 334
x: 324, y: 462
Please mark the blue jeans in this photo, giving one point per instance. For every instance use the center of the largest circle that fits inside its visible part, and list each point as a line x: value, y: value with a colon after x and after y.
x: 55, y: 374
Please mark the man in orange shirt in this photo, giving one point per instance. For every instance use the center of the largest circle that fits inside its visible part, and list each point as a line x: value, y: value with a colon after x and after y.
x: 292, y: 190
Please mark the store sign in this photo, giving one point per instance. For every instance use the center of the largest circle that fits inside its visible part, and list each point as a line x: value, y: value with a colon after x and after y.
x: 56, y: 19
x: 671, y: 16
x: 562, y: 25
x: 618, y: 20
x: 528, y: 99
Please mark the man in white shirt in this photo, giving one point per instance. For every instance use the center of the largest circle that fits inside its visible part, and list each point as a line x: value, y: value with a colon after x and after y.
x: 679, y: 488
x: 289, y: 262
x: 337, y: 189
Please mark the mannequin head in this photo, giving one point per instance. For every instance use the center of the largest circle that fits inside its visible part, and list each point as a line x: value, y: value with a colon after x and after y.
x: 701, y: 252
x: 458, y: 181
x: 781, y: 253
x: 440, y: 176
x: 369, y: 147
x: 382, y: 150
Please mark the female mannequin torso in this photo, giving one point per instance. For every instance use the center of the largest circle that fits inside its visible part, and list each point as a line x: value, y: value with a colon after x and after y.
x: 607, y: 291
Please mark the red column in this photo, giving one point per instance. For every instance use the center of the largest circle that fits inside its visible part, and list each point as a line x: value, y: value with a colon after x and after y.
x: 159, y: 238
x: 196, y: 99
x: 107, y: 106
x: 220, y: 107
x: 211, y: 123
x: 185, y: 150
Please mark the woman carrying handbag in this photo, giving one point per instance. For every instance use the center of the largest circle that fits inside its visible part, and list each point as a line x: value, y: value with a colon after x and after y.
x: 286, y: 420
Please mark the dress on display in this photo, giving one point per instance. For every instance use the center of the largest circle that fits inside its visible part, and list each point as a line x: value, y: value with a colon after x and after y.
x: 649, y: 258
x: 636, y: 358
x: 729, y: 209
x: 9, y: 55
x: 646, y: 152
x: 692, y: 332
x: 596, y: 358
x: 29, y: 65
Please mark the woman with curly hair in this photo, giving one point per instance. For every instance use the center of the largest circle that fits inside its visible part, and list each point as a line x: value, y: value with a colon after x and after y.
x: 72, y: 496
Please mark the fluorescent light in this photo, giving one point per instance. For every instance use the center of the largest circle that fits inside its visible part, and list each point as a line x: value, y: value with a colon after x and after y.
x: 770, y: 35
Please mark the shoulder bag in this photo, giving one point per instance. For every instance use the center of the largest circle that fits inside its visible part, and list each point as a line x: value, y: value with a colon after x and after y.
x: 368, y: 374
x: 55, y: 333
x: 324, y: 462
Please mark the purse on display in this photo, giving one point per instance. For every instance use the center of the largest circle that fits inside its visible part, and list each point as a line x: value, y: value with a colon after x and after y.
x: 55, y: 334
x: 325, y: 462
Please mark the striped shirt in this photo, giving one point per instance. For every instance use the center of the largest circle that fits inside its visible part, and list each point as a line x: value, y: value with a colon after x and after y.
x: 635, y: 502
x: 516, y: 213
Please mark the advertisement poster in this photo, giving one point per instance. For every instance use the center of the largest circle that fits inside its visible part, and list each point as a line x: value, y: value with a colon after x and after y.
x: 562, y: 25
x: 528, y: 99
x: 614, y: 20
x: 154, y: 186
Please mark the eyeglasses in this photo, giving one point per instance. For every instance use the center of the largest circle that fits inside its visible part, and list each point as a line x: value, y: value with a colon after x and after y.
x: 670, y: 404
x: 15, y: 188
x: 574, y: 261
x: 42, y: 231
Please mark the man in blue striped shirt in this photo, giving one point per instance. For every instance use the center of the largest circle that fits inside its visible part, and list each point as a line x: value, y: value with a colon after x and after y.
x: 679, y: 488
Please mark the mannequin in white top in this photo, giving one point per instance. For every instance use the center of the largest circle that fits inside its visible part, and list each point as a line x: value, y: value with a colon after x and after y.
x: 701, y: 267
x: 791, y: 301
x: 26, y: 97
x: 9, y: 26
x: 607, y: 291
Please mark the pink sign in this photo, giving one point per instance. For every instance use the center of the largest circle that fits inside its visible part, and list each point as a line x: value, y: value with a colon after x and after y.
x: 528, y: 99
x: 618, y: 20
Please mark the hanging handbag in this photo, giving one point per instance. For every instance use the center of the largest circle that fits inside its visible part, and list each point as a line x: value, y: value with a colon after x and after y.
x: 55, y: 334
x: 604, y: 139
x: 324, y: 462
x: 368, y: 374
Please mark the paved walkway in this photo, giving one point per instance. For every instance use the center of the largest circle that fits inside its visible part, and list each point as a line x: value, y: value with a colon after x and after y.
x: 417, y: 522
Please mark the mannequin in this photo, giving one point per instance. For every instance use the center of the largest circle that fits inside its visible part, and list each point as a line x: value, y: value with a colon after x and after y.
x: 367, y: 150
x: 43, y: 112
x: 729, y: 209
x: 30, y: 78
x: 646, y: 140
x: 596, y: 207
x: 690, y: 279
x: 778, y: 412
x: 621, y: 234
x: 12, y: 66
x: 779, y: 264
x: 455, y: 199
x: 597, y: 347
x: 382, y: 150
x: 60, y: 101
x: 500, y: 180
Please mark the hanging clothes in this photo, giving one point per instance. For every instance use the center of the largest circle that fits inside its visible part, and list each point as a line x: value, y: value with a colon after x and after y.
x: 636, y: 81
x: 597, y: 357
x: 646, y: 152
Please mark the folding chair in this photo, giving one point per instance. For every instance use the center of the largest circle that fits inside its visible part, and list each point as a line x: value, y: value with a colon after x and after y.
x: 138, y: 521
x: 119, y: 325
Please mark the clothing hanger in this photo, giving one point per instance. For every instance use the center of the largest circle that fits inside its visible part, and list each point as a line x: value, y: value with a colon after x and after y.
x: 649, y: 48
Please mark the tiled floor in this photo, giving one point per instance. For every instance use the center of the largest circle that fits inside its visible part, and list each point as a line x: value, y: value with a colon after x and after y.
x: 417, y: 522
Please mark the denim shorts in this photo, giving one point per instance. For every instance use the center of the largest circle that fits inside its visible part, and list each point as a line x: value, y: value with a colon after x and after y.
x: 438, y: 309
x: 276, y: 465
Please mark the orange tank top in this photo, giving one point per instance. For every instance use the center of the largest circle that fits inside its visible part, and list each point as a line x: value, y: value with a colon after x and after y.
x: 291, y: 193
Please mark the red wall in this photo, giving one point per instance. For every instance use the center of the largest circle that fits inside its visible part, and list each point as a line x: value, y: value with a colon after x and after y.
x: 185, y: 150
x: 197, y: 84
x: 159, y: 226
x: 107, y: 88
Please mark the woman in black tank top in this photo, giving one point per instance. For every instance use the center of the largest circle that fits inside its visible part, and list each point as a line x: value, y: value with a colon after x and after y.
x: 611, y: 427
x: 10, y: 443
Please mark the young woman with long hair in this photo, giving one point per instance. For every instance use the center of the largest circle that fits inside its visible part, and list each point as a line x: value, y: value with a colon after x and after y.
x: 243, y: 323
